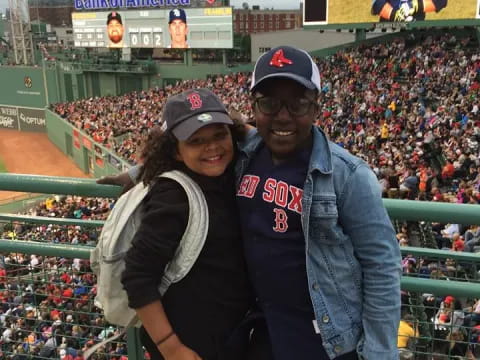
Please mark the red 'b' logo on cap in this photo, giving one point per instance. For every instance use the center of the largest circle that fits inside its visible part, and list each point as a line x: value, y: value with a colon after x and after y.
x: 195, y: 100
x: 279, y: 59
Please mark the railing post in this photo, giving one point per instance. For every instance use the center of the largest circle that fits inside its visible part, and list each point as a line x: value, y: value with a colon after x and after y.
x: 134, y: 345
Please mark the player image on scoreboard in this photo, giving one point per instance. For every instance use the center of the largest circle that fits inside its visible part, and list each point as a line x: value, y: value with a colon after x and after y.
x: 406, y: 10
x: 115, y: 29
x: 317, y: 13
x: 178, y: 29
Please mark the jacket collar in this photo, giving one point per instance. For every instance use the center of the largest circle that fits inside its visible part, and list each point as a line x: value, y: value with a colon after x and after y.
x: 320, y: 159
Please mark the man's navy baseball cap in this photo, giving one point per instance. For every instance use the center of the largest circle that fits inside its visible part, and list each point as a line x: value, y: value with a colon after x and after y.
x: 114, y: 16
x: 191, y: 110
x: 177, y: 14
x: 287, y: 62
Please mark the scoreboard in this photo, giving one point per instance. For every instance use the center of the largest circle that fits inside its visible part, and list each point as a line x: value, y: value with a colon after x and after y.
x: 206, y: 28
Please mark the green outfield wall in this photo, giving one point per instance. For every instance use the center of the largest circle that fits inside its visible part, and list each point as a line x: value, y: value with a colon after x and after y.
x: 91, y: 157
x: 36, y: 87
x: 22, y: 86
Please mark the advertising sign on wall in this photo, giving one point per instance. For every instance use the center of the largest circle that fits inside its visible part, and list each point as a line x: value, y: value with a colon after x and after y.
x: 115, y: 162
x: 24, y: 119
x: 31, y: 120
x: 8, y: 117
x: 76, y: 138
x: 87, y: 143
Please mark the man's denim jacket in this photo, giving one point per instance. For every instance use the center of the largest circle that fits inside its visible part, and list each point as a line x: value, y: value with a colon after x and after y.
x: 352, y: 255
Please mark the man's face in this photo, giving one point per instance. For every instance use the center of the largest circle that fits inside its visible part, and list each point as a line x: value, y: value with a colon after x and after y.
x: 285, y: 133
x: 178, y: 32
x: 115, y: 31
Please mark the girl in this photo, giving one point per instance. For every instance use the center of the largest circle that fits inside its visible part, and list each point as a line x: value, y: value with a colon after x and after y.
x: 196, y: 316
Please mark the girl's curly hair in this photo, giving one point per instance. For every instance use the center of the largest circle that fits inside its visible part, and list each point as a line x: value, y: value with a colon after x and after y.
x: 158, y: 154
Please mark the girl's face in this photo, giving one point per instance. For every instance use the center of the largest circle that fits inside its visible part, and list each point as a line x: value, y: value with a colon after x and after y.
x: 208, y: 151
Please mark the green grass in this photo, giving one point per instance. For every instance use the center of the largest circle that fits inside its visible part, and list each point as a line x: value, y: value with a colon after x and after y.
x: 2, y: 166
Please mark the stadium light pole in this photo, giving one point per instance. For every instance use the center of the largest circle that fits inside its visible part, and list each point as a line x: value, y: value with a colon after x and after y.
x: 44, y: 73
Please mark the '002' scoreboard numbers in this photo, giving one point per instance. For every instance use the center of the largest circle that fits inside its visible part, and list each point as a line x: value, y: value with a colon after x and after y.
x: 144, y: 31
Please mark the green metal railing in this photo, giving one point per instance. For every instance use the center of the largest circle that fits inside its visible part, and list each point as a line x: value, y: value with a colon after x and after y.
x: 397, y: 209
x: 462, y: 287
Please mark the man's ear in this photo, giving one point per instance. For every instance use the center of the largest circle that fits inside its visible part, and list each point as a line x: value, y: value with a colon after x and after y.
x: 316, y: 109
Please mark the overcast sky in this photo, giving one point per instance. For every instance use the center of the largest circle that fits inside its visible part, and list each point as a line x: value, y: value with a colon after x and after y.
x: 277, y: 4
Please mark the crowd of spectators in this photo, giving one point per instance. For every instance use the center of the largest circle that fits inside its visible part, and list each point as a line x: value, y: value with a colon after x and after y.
x: 47, y: 303
x: 409, y: 108
x: 121, y: 122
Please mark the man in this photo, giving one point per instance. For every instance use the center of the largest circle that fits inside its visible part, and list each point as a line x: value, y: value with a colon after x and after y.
x: 115, y: 29
x: 320, y: 248
x: 405, y: 10
x: 321, y: 251
x: 178, y: 29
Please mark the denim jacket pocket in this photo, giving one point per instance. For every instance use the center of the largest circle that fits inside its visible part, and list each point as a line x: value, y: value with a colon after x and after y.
x: 323, y: 220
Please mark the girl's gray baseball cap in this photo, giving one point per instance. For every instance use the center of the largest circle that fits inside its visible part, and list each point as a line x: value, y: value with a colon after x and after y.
x: 191, y: 110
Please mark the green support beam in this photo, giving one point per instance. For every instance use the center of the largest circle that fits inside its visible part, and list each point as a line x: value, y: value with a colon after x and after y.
x: 57, y: 185
x: 50, y: 220
x: 437, y: 287
x: 397, y: 209
x: 440, y: 287
x: 466, y: 257
x: 447, y: 213
x: 47, y: 249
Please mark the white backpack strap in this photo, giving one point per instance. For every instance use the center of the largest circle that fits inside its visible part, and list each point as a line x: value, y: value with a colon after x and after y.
x: 195, y: 233
x: 188, y: 250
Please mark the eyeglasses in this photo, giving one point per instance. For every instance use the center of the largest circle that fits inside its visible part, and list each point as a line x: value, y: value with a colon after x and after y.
x: 270, y: 105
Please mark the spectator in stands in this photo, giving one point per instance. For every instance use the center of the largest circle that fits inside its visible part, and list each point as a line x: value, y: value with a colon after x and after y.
x: 286, y: 133
x: 473, y: 318
x: 407, y: 332
x: 198, y: 141
x: 472, y: 238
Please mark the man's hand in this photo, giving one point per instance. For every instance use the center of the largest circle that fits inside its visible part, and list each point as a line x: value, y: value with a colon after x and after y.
x: 122, y: 180
x: 173, y: 349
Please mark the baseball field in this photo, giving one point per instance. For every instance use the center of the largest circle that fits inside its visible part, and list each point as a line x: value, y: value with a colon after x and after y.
x: 32, y: 153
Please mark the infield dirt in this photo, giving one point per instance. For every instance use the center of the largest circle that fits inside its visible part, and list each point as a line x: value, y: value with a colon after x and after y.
x: 33, y: 153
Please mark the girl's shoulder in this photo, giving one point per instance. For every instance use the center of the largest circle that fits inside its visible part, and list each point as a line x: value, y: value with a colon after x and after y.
x: 166, y: 191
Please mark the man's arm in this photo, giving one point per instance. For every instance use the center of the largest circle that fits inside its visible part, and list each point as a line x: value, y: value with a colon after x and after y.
x: 377, y: 250
x: 126, y: 179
